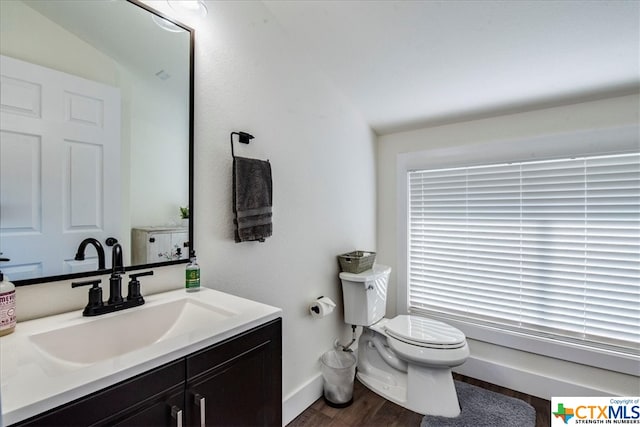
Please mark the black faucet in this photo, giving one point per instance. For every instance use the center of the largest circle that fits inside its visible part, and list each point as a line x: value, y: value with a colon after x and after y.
x: 96, y: 306
x: 99, y: 249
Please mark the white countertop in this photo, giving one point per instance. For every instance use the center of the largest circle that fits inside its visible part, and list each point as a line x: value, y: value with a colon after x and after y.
x: 34, y: 381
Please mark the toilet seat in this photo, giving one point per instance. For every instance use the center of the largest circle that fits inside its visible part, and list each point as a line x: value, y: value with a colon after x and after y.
x: 423, y: 332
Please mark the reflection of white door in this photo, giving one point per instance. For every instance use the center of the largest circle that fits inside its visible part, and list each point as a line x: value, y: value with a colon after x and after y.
x: 59, y: 168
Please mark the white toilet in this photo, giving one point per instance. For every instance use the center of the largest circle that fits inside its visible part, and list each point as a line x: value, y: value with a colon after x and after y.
x: 407, y: 359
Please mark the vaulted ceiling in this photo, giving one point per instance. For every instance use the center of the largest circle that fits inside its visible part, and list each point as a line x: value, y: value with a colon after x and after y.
x: 408, y: 64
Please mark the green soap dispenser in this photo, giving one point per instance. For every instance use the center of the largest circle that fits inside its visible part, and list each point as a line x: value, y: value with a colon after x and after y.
x: 7, y: 305
x: 192, y: 275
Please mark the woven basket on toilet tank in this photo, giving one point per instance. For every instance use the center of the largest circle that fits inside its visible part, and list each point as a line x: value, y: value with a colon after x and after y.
x: 356, y: 261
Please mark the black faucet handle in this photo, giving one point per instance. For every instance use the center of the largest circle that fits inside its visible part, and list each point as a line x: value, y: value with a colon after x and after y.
x: 95, y: 295
x: 134, y: 277
x: 95, y: 283
x: 134, y: 286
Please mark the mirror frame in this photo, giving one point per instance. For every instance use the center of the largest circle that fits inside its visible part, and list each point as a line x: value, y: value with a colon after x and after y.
x: 46, y: 279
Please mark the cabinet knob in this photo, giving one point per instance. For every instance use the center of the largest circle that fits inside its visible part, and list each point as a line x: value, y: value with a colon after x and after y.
x: 152, y: 239
x: 199, y: 401
x: 177, y: 414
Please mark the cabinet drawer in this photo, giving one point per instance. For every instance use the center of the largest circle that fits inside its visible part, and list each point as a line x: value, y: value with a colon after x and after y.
x: 214, y: 357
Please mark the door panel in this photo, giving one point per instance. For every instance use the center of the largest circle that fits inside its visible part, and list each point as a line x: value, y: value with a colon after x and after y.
x: 83, y: 179
x: 20, y: 158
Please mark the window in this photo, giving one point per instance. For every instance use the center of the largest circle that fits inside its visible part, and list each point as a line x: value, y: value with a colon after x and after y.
x: 544, y: 248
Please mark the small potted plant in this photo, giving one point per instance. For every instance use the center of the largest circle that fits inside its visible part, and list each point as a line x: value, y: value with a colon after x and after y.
x: 184, y: 215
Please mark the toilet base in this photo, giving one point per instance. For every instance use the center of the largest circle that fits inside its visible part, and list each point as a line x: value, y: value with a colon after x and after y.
x: 427, y: 390
x: 432, y: 391
x: 394, y: 393
x: 437, y: 398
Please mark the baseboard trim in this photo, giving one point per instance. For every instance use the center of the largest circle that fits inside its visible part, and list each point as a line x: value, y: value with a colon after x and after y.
x: 523, y: 381
x: 300, y: 399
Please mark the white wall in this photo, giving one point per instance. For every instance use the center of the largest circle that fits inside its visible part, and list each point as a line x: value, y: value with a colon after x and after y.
x: 537, y: 375
x: 159, y: 155
x: 250, y: 76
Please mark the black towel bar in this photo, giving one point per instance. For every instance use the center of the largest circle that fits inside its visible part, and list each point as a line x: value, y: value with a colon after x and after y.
x: 243, y: 137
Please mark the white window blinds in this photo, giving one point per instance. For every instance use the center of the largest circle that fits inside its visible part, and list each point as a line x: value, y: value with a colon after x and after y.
x: 546, y: 248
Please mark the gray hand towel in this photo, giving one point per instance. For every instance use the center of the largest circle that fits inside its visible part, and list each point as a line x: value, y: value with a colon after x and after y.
x: 252, y: 199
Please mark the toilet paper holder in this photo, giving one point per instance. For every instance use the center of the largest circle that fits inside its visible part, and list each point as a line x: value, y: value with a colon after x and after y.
x: 315, y: 309
x: 322, y: 306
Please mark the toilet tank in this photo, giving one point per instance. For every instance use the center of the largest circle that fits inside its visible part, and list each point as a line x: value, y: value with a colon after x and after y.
x: 365, y: 295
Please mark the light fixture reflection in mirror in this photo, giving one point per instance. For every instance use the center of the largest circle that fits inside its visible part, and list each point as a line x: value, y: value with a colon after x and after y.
x: 196, y: 7
x: 153, y: 71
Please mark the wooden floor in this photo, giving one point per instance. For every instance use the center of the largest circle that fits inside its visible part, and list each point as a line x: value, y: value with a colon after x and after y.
x: 369, y: 409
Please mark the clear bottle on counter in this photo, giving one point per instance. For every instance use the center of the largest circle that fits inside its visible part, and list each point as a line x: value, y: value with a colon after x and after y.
x: 192, y: 274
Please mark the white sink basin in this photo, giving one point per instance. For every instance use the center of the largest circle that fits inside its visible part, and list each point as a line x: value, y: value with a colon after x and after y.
x: 122, y: 332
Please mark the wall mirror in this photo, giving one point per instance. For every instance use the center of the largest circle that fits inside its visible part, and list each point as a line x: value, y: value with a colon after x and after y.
x: 96, y: 137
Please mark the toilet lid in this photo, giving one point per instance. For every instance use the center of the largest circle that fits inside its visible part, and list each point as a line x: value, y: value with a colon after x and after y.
x: 425, y: 332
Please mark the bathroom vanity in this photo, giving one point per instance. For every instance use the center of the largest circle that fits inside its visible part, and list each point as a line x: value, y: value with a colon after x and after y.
x: 226, y: 372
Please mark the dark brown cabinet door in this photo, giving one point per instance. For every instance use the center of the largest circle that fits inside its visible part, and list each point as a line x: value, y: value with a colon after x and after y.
x: 243, y: 383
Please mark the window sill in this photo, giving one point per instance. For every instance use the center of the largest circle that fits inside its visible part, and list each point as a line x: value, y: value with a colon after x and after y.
x: 571, y: 352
